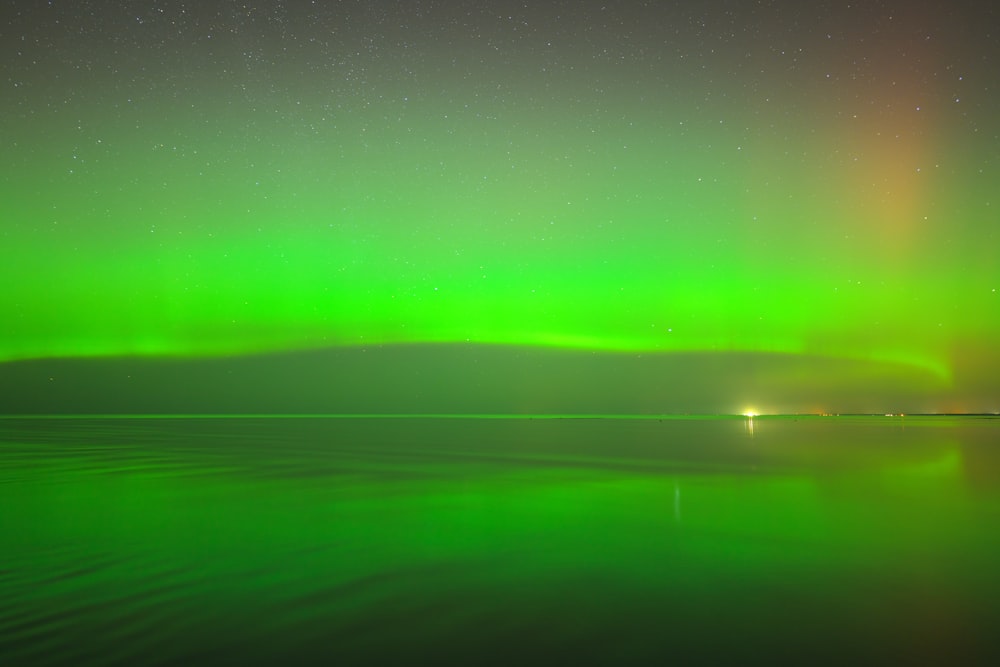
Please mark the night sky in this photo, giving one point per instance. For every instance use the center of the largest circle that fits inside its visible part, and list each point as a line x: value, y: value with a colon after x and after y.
x: 813, y: 185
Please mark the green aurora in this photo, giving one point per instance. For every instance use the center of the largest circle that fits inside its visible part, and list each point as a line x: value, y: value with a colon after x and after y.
x: 220, y: 181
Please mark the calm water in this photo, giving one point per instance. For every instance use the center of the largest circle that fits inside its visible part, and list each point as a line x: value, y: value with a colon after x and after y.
x: 475, y: 541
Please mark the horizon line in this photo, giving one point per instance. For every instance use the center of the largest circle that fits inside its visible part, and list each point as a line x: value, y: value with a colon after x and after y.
x: 487, y: 415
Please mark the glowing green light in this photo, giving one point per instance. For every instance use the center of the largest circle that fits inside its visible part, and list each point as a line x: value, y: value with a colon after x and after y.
x: 630, y: 237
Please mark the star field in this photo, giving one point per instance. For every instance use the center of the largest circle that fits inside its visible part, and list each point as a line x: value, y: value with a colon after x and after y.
x: 225, y: 178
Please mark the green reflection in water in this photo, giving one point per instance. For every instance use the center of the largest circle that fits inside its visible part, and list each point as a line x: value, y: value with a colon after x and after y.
x: 255, y: 540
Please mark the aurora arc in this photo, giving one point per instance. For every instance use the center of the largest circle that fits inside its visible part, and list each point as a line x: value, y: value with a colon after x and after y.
x: 232, y: 200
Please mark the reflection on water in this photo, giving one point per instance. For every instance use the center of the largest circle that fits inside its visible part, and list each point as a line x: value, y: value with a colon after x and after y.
x: 498, y: 541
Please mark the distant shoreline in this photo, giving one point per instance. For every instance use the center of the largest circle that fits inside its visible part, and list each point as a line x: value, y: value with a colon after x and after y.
x: 498, y: 416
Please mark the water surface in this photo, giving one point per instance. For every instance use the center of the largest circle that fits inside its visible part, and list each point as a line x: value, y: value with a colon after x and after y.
x: 478, y: 541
